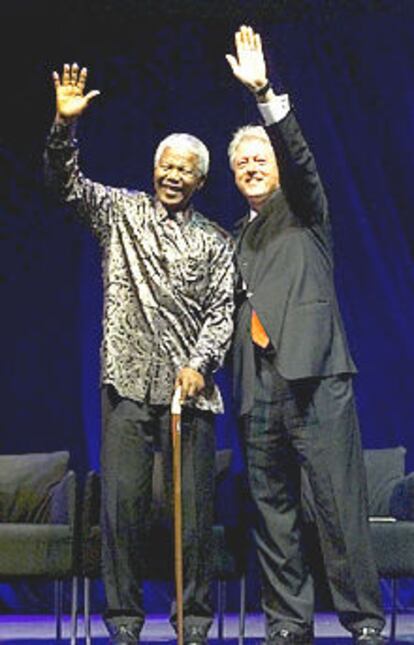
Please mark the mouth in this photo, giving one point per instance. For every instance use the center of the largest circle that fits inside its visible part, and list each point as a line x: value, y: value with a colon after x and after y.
x: 254, y: 182
x: 171, y: 192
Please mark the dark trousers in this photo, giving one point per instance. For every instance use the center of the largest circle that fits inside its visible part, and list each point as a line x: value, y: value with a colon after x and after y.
x: 310, y: 424
x: 131, y: 433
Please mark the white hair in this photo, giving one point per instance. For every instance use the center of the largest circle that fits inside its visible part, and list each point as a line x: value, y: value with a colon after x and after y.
x: 184, y: 141
x: 245, y: 132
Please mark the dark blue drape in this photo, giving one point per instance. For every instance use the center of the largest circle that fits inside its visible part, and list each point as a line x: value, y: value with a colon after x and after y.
x: 349, y: 68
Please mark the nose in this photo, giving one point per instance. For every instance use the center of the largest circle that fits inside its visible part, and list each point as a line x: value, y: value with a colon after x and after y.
x: 251, y: 166
x: 174, y: 174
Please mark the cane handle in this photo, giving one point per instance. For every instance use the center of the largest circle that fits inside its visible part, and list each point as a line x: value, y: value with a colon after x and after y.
x: 176, y: 401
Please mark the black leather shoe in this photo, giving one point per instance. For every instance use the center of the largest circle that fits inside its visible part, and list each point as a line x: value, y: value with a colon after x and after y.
x: 123, y: 635
x: 195, y: 636
x: 369, y: 636
x: 287, y: 637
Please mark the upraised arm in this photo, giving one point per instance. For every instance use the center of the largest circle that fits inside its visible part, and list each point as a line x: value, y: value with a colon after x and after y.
x: 93, y: 202
x: 299, y: 177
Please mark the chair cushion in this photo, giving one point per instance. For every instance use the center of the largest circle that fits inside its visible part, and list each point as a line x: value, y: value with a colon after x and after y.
x: 35, y: 550
x: 26, y: 485
x: 393, y: 544
x: 385, y: 467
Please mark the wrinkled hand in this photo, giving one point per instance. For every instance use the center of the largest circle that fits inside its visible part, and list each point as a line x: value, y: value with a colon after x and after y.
x: 70, y: 98
x: 190, y: 381
x: 249, y: 64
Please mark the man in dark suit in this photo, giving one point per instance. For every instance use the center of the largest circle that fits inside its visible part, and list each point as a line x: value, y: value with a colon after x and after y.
x: 293, y: 375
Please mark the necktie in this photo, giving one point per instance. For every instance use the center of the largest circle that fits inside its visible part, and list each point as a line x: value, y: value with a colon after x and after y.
x: 258, y: 332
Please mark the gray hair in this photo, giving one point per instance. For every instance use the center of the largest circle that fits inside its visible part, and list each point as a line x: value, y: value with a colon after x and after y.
x: 189, y: 143
x: 245, y: 132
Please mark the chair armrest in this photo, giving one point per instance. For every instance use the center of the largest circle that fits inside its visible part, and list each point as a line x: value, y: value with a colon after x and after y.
x: 63, y: 501
x: 402, y: 499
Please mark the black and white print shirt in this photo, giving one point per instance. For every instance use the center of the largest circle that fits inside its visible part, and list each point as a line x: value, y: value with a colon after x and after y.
x: 168, y: 282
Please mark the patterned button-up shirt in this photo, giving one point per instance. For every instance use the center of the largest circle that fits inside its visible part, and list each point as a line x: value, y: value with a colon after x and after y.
x: 168, y: 282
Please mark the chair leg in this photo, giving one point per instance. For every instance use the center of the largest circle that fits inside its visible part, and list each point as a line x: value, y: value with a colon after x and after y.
x: 393, y: 628
x: 87, y: 609
x: 74, y: 611
x: 221, y: 602
x: 242, y: 614
x: 58, y: 608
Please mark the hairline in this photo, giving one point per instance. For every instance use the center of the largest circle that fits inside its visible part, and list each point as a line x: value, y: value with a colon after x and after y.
x: 246, y: 132
x: 188, y: 142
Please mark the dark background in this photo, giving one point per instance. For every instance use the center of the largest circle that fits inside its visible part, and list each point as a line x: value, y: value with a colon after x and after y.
x: 349, y: 69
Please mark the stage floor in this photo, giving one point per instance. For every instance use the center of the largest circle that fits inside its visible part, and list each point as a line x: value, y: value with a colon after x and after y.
x: 40, y: 629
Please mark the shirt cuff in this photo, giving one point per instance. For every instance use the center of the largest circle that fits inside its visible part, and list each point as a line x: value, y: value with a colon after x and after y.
x: 275, y: 110
x: 62, y: 133
x: 198, y: 364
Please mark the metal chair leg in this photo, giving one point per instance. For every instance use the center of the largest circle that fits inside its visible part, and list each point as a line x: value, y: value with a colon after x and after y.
x: 74, y: 612
x: 58, y: 608
x: 393, y: 628
x: 242, y: 614
x: 87, y: 609
x: 221, y: 602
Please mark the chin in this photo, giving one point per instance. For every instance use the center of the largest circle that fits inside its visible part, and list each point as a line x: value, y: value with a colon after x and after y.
x: 173, y: 206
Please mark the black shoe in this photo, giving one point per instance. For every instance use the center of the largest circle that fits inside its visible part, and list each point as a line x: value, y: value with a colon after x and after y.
x: 123, y: 635
x: 287, y: 637
x: 195, y: 636
x: 369, y: 636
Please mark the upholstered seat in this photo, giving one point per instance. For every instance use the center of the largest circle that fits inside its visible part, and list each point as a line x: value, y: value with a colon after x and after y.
x: 38, y: 537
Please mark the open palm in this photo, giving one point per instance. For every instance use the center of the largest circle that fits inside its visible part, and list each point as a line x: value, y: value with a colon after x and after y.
x: 71, y: 99
x: 249, y: 64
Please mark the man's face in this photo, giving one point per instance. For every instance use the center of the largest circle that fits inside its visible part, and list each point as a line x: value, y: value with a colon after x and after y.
x: 255, y: 170
x: 176, y: 178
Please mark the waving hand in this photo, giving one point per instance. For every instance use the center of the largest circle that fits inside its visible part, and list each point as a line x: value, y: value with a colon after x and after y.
x: 249, y: 64
x: 71, y: 101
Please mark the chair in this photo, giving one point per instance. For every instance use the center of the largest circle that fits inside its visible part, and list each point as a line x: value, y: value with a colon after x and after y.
x: 228, y: 544
x: 38, y: 537
x: 391, y: 510
x: 391, y: 518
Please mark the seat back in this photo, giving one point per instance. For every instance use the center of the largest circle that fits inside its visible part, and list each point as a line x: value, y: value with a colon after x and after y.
x: 27, y: 482
x: 385, y: 467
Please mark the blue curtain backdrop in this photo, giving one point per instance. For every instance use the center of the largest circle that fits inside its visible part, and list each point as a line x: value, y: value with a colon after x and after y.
x: 349, y: 69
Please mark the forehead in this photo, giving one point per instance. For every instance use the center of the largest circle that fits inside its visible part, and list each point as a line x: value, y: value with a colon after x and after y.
x: 179, y: 156
x: 251, y: 146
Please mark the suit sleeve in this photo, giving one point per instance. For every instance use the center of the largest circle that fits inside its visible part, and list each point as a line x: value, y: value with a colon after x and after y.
x: 299, y: 178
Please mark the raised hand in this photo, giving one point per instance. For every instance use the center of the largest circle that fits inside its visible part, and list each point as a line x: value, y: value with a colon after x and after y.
x: 70, y: 98
x: 249, y: 64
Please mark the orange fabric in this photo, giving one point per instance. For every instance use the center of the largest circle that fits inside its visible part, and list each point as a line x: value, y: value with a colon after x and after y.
x: 259, y: 335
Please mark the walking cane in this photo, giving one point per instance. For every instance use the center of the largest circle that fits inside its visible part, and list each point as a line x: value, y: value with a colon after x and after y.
x: 178, y: 533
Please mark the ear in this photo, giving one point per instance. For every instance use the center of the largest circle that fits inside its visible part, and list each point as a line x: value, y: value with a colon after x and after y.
x: 201, y: 182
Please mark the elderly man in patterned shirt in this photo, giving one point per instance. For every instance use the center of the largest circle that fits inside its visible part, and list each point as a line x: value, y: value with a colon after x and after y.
x: 168, y: 305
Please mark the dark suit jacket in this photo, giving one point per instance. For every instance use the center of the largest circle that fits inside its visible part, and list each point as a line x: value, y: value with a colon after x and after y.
x: 285, y: 259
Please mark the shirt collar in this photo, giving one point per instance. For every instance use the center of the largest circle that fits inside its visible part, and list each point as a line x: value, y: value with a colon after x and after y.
x: 181, y: 217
